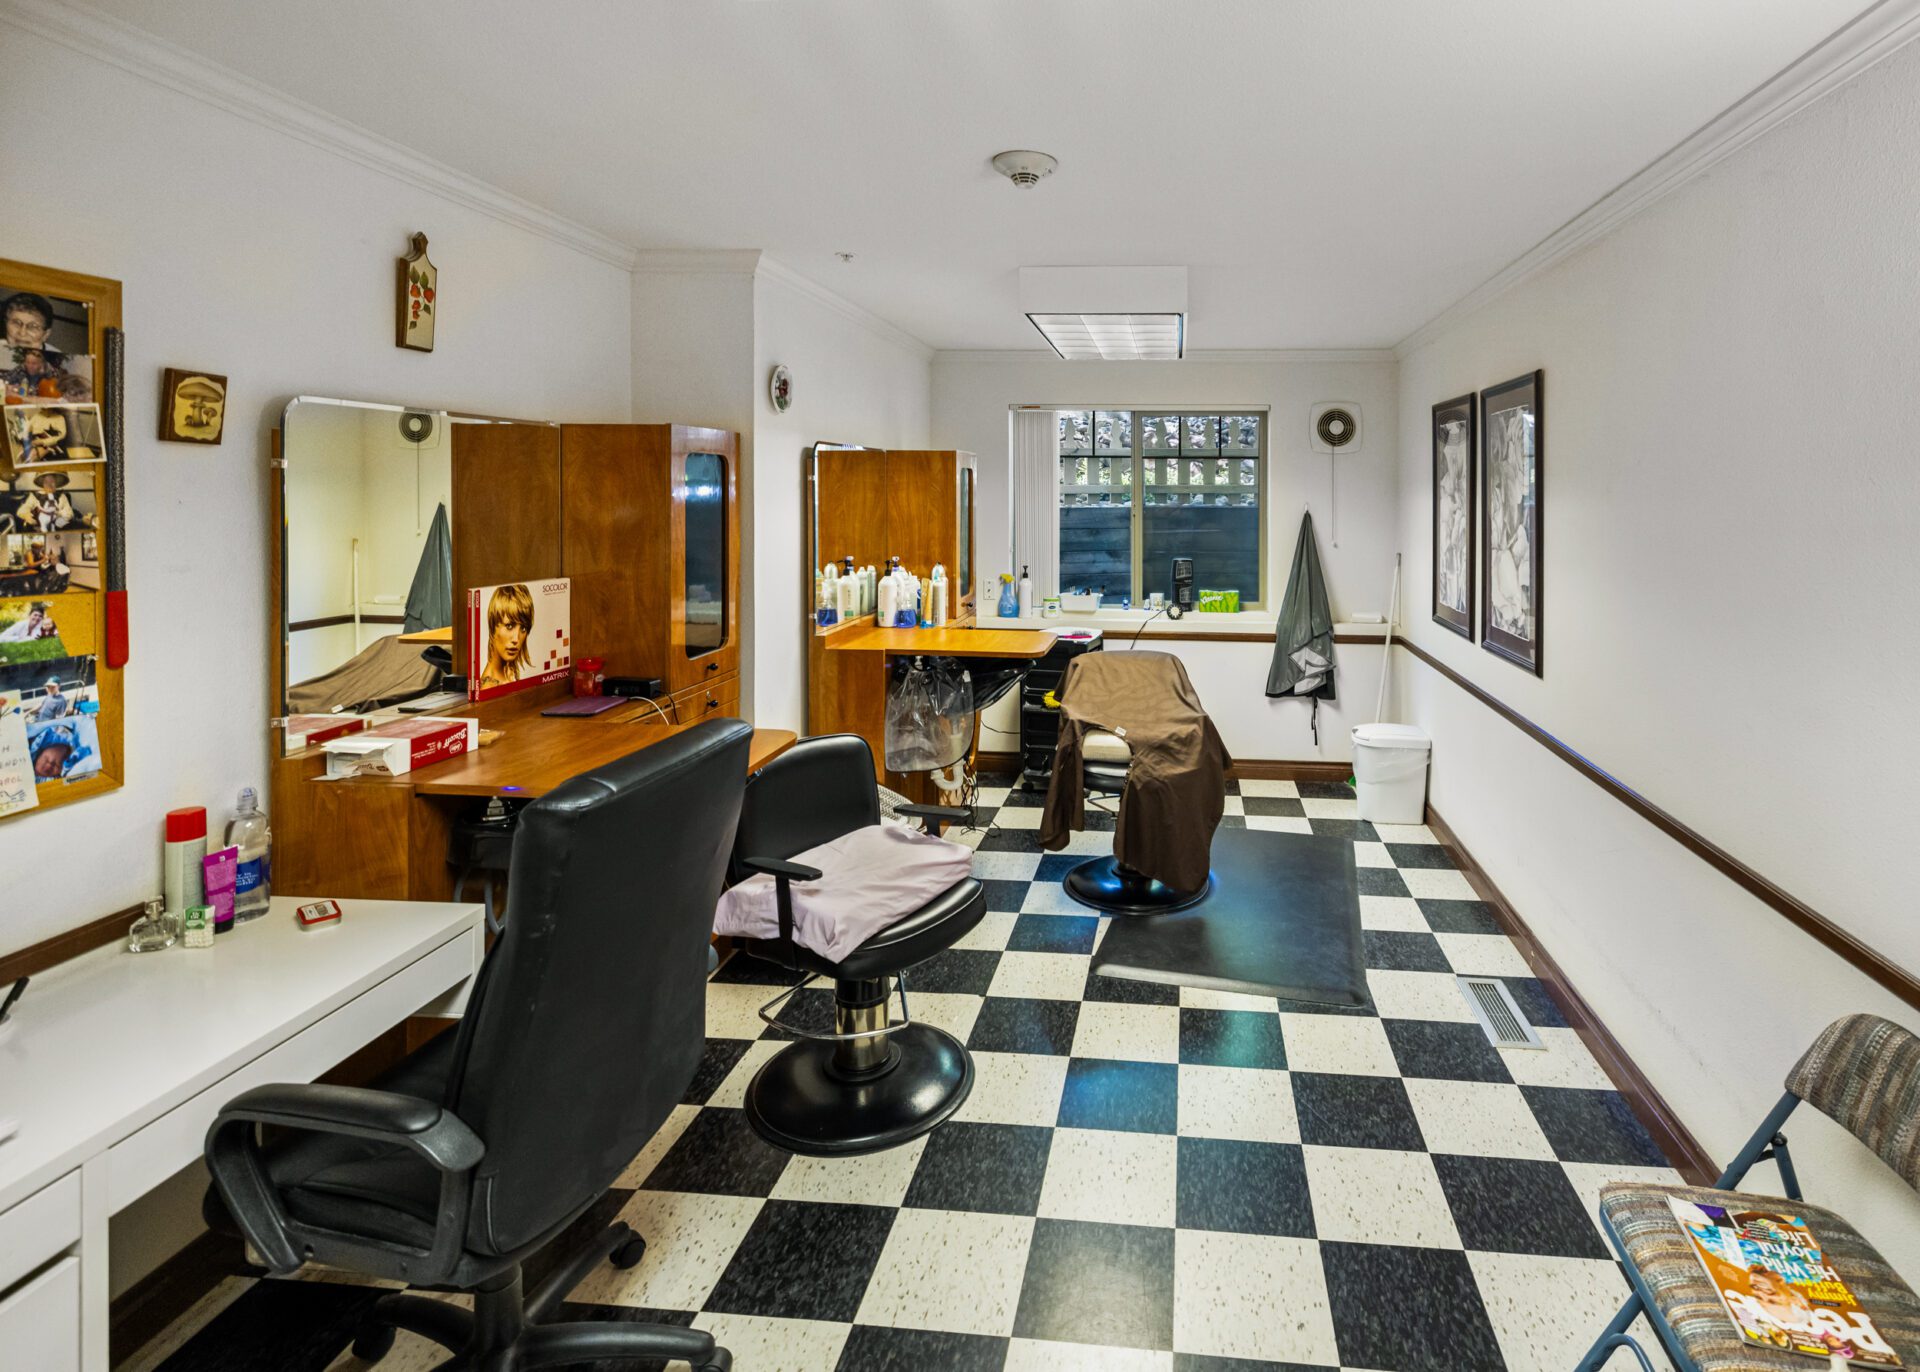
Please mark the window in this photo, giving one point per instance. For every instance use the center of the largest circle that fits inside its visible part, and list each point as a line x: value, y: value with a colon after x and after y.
x: 1139, y: 488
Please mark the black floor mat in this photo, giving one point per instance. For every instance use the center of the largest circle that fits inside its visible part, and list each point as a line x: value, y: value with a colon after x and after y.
x: 1282, y: 919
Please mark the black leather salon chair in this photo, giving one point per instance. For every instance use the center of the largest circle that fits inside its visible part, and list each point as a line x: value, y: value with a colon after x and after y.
x: 1106, y: 883
x: 872, y: 1083
x: 583, y: 1032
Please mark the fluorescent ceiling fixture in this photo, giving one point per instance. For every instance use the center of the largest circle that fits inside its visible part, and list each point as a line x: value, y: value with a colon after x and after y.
x: 1114, y: 337
x: 1115, y: 314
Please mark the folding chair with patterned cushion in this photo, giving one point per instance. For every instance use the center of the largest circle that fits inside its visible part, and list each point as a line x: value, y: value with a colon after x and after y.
x: 1864, y: 1072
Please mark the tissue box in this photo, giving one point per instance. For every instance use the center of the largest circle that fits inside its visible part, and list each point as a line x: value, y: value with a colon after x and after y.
x: 1079, y: 602
x: 401, y: 745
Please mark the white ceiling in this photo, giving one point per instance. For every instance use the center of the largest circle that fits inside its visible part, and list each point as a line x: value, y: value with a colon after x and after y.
x: 1334, y: 172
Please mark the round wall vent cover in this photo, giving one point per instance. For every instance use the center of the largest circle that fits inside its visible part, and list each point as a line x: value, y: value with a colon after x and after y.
x: 1336, y: 428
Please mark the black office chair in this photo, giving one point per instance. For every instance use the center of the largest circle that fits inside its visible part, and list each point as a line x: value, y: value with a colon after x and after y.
x: 582, y: 1034
x: 872, y: 1083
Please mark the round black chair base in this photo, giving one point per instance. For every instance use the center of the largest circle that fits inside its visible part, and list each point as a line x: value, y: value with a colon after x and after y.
x: 1105, y: 885
x: 795, y: 1101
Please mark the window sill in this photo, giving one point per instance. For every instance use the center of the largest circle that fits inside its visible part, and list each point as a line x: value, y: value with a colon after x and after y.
x: 1194, y: 626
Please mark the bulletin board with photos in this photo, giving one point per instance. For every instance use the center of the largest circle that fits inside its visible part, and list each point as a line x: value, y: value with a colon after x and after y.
x: 61, y: 718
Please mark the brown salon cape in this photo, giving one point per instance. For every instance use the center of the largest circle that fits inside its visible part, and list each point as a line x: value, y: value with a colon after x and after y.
x: 1177, y: 780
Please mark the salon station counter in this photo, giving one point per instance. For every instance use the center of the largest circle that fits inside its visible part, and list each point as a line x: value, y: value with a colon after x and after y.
x: 385, y: 838
x: 849, y: 666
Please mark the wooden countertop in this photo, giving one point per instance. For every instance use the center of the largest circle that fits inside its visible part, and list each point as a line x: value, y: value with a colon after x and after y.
x: 536, y: 753
x: 946, y: 641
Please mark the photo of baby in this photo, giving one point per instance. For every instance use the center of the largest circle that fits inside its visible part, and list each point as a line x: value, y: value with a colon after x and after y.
x: 63, y: 749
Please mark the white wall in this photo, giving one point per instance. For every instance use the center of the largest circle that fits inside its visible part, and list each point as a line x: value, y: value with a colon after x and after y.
x: 855, y: 381
x: 693, y: 364
x: 249, y: 252
x: 1353, y: 500
x: 1731, y: 508
x: 708, y: 329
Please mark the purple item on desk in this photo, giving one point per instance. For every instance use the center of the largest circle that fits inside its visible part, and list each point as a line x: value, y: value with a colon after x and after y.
x: 584, y: 705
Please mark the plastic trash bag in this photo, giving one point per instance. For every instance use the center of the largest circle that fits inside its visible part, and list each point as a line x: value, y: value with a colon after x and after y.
x: 929, y: 715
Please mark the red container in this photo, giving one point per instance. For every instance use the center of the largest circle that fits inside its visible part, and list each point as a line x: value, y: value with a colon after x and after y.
x: 588, y: 676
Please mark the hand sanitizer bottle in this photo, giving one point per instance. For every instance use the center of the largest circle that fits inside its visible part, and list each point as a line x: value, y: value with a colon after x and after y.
x: 248, y: 831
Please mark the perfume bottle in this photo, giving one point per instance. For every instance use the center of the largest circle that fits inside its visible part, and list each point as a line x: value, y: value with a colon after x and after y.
x: 154, y: 930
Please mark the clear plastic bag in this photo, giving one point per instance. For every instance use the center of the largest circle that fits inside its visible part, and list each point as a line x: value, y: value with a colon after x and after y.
x: 929, y: 715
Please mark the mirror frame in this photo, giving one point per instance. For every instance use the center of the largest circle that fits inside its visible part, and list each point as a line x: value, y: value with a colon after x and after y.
x: 277, y: 712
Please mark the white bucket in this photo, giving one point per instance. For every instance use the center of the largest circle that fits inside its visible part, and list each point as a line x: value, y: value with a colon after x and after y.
x: 1390, y: 772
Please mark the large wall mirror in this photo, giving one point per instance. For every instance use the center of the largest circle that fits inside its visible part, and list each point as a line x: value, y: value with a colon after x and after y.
x: 388, y: 513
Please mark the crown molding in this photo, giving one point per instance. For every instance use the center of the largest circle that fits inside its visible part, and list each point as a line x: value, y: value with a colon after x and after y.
x: 1830, y: 64
x: 139, y: 53
x: 1201, y: 356
x: 781, y: 274
x: 697, y: 261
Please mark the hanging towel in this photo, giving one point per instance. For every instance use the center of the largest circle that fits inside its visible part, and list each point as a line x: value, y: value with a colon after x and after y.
x: 430, y: 598
x: 1303, y: 640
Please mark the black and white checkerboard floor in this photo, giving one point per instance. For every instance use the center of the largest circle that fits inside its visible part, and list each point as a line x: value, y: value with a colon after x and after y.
x: 1145, y: 1177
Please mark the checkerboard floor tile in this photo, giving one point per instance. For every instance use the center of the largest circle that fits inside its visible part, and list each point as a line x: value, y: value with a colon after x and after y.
x: 1144, y: 1176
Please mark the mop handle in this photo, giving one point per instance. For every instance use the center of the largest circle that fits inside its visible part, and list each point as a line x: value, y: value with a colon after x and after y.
x: 1386, y: 643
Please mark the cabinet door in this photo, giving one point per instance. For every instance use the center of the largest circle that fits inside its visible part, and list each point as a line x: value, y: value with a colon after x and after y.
x: 40, y: 1321
x: 705, y: 641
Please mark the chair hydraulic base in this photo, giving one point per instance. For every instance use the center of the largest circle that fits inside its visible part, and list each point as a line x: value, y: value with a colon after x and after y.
x: 841, y: 1098
x: 501, y: 1333
x: 1106, y: 885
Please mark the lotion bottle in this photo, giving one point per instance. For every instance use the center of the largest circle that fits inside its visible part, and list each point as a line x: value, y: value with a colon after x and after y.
x: 183, y: 879
x: 1026, y: 594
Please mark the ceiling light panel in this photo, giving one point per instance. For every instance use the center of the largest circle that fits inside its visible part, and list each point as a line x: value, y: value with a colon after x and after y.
x: 1116, y: 314
x: 1155, y: 337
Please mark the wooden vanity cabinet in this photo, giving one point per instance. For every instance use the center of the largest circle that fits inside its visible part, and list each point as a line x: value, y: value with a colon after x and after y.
x: 651, y: 541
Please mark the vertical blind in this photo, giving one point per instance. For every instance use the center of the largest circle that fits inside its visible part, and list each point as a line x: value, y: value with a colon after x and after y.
x: 1036, y: 501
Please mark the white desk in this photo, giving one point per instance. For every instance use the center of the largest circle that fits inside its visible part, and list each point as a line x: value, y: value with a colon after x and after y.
x: 115, y: 1065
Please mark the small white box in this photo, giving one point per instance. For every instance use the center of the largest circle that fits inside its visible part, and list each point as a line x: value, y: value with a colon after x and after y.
x: 401, y: 745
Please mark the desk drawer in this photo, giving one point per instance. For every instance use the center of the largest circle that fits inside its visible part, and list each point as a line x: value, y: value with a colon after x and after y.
x: 38, y: 1227
x: 149, y: 1156
x: 40, y: 1323
x: 714, y: 700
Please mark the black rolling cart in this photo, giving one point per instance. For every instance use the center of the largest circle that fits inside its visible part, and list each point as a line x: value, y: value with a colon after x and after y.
x: 1039, y: 721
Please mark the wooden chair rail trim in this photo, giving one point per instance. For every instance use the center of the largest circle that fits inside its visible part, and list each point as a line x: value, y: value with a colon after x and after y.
x: 328, y: 621
x: 1685, y: 1152
x: 36, y: 958
x: 1874, y: 963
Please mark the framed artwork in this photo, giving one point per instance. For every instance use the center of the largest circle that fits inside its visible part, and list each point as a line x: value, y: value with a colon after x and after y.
x: 418, y: 304
x: 1453, y: 468
x: 1512, y: 432
x: 193, y: 406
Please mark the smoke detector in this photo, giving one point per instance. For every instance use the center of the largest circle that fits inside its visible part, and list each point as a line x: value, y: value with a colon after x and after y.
x: 1024, y: 167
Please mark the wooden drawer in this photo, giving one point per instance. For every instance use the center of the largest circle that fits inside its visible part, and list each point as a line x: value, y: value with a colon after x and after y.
x: 39, y: 1227
x: 145, y: 1158
x: 716, y: 700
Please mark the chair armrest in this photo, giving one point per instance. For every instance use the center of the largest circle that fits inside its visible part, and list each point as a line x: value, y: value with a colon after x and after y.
x: 239, y: 1168
x: 781, y: 870
x: 784, y: 874
x: 933, y: 814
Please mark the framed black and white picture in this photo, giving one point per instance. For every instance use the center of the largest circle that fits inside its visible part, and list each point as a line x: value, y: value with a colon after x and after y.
x: 1453, y: 466
x: 1512, y: 433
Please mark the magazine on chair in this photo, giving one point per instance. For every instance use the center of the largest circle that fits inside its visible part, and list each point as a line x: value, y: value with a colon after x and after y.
x: 1777, y: 1286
